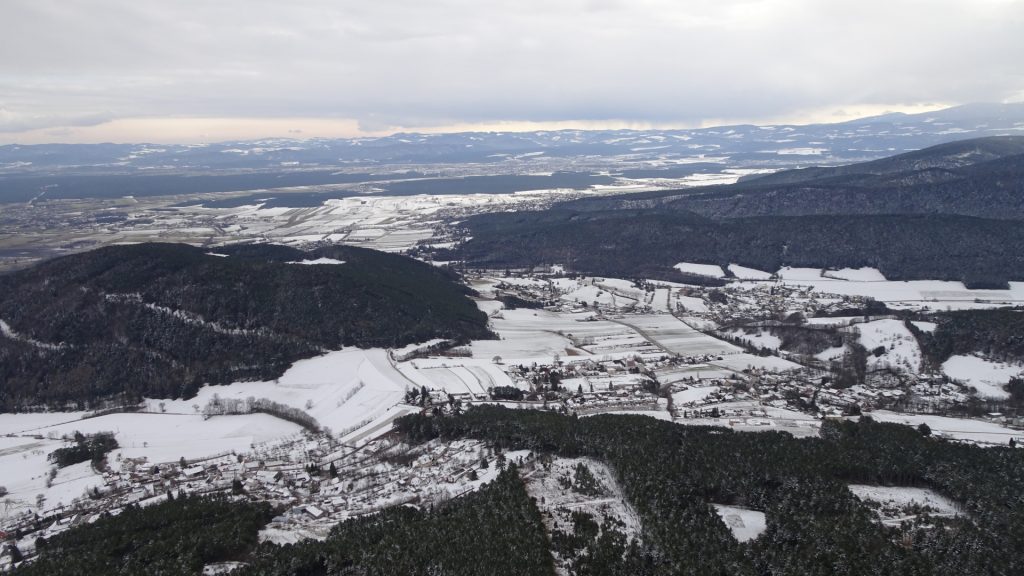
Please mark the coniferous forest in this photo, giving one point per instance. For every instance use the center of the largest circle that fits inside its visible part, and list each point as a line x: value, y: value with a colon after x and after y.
x: 995, y: 333
x: 671, y: 474
x: 628, y: 243
x: 176, y: 537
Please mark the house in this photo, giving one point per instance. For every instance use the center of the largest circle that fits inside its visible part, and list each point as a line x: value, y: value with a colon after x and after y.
x: 194, y: 472
x: 269, y: 476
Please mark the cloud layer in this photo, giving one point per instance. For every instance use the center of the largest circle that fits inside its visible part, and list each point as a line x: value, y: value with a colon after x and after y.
x: 391, y: 63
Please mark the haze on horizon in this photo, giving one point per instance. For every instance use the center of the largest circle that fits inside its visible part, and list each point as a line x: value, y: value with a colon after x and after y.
x: 194, y: 71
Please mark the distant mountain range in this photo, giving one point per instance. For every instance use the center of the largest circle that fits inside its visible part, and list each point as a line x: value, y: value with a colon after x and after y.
x: 950, y: 212
x: 843, y: 142
x: 472, y: 162
x: 161, y: 320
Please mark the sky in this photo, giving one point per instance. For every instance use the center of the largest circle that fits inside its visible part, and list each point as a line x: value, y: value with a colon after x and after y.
x: 212, y: 70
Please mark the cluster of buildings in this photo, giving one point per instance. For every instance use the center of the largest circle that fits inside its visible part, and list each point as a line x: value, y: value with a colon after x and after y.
x: 313, y: 483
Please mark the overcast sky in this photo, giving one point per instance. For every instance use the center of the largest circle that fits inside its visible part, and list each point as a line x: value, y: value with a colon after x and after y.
x: 191, y: 70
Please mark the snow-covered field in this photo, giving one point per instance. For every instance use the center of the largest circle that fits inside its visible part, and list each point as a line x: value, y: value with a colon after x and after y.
x: 690, y: 395
x: 456, y: 375
x: 169, y: 437
x: 700, y: 269
x: 925, y: 326
x: 675, y: 336
x: 743, y: 361
x: 806, y: 274
x: 744, y: 273
x: 71, y: 483
x: 595, y: 295
x: 761, y: 338
x: 856, y: 274
x: 986, y: 376
x: 340, y: 389
x: 957, y: 428
x: 537, y: 335
x: 744, y: 523
x: 24, y: 471
x: 900, y: 347
x: 935, y: 294
x: 36, y: 422
x: 896, y: 503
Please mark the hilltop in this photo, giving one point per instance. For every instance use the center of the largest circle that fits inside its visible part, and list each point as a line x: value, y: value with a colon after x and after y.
x: 161, y: 320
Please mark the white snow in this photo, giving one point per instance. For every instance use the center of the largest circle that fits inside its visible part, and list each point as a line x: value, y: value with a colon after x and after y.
x: 761, y: 339
x: 901, y: 348
x: 805, y: 151
x: 537, y: 335
x: 897, y: 502
x: 744, y: 273
x: 590, y: 294
x: 787, y: 273
x: 6, y: 330
x: 957, y: 428
x: 700, y: 269
x: 676, y: 336
x: 72, y: 482
x: 420, y: 346
x: 904, y: 496
x: 744, y: 523
x: 340, y: 389
x: 986, y: 376
x: 831, y: 354
x: 37, y: 422
x: 456, y: 376
x: 693, y: 395
x: 742, y: 361
x: 856, y: 274
x: 25, y: 469
x: 834, y: 321
x: 925, y: 326
x: 317, y: 261
x: 221, y: 568
x: 168, y: 437
x: 692, y: 304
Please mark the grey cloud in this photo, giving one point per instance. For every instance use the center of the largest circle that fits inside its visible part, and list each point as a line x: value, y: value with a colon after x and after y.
x: 405, y: 62
x: 11, y: 121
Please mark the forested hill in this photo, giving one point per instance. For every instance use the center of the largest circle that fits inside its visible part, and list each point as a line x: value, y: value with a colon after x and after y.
x: 161, y: 320
x: 948, y: 156
x: 648, y: 243
x: 949, y: 212
x: 982, y: 177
